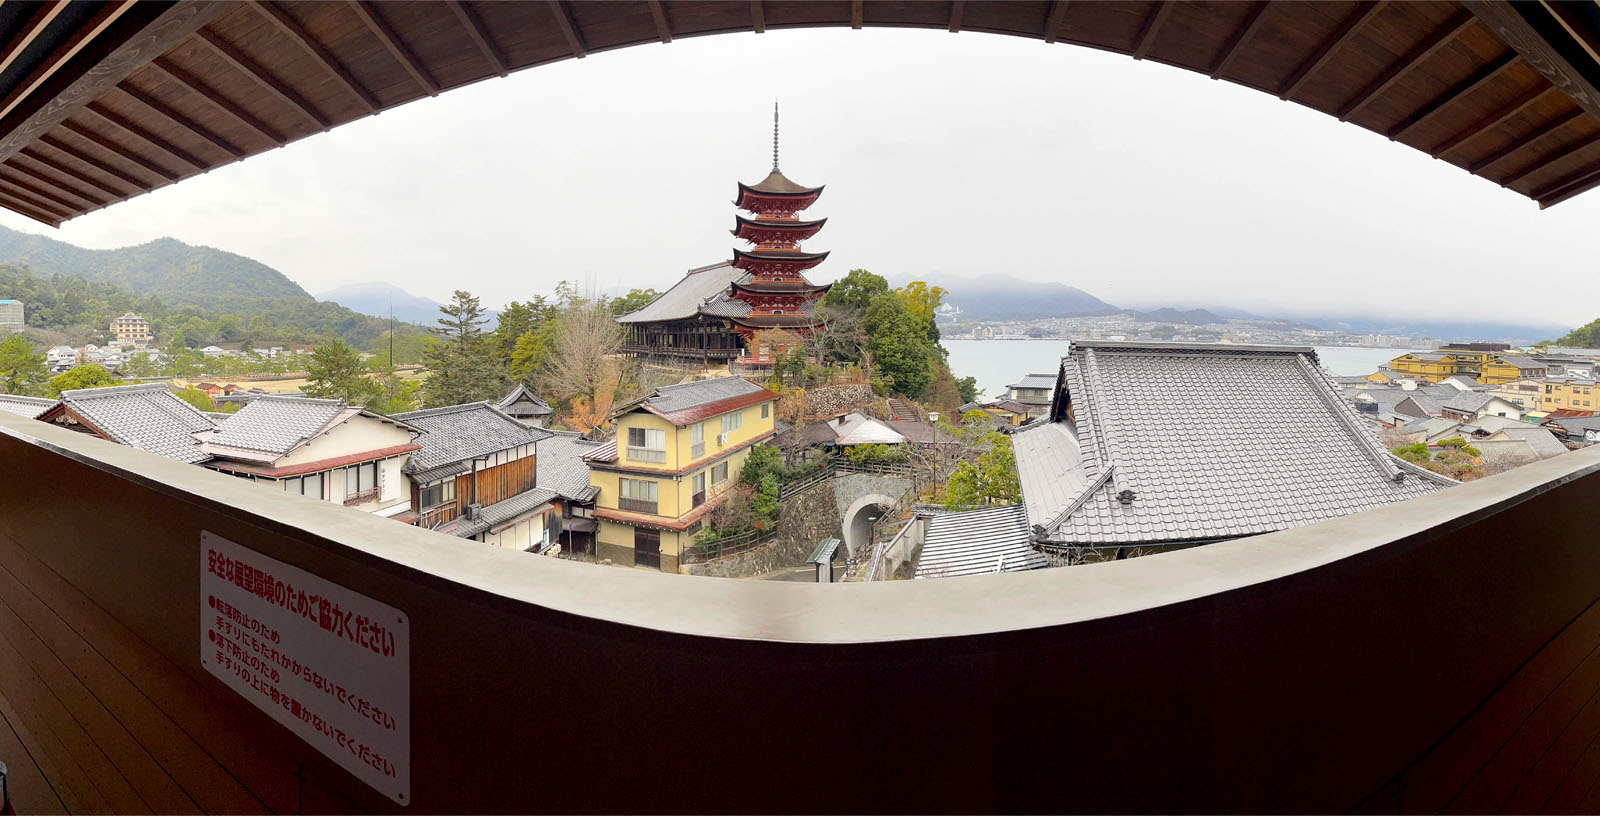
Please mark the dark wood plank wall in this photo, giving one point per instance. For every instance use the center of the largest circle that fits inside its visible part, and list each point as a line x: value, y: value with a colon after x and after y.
x: 496, y: 483
x: 252, y: 76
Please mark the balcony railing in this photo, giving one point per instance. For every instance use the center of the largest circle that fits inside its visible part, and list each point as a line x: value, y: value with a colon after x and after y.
x: 361, y: 497
x: 638, y: 506
x: 697, y: 450
x: 1299, y: 670
x: 647, y: 455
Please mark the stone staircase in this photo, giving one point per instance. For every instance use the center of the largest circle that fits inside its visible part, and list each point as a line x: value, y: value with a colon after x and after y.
x: 899, y: 409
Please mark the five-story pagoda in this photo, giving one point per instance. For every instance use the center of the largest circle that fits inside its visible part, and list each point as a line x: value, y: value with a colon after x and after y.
x: 716, y: 311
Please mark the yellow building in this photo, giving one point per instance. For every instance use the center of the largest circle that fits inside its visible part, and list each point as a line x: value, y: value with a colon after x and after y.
x: 1573, y: 395
x: 677, y: 454
x: 1510, y: 368
x: 1432, y: 366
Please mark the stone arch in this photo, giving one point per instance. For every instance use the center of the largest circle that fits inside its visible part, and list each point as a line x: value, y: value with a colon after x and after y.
x: 855, y: 524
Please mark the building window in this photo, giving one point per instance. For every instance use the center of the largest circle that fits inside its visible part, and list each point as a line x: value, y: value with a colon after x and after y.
x: 699, y: 483
x: 732, y: 422
x: 637, y: 495
x: 719, y: 474
x: 647, y: 445
x: 766, y: 408
x: 308, y: 485
x: 697, y: 440
x: 441, y: 493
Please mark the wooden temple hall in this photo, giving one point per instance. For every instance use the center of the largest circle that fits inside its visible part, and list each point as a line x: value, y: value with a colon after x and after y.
x: 1394, y: 660
x: 718, y: 313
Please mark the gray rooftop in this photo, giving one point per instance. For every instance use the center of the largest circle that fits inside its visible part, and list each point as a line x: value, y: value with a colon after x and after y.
x: 147, y: 417
x: 561, y: 467
x: 30, y: 407
x: 1045, y: 381
x: 974, y: 542
x: 502, y: 512
x: 521, y: 402
x: 1249, y: 440
x: 673, y: 398
x: 1467, y: 402
x: 685, y: 298
x: 1538, y: 437
x: 276, y: 425
x: 1049, y: 469
x: 458, y: 433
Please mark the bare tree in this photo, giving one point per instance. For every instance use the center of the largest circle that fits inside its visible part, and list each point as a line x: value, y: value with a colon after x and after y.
x: 582, y: 368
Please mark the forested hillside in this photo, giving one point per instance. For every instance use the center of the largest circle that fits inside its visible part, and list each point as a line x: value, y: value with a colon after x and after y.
x: 181, y: 275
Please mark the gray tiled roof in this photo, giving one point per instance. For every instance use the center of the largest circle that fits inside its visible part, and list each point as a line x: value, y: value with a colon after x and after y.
x: 1540, y: 438
x: 276, y: 425
x: 147, y: 417
x: 973, y: 542
x: 686, y: 296
x: 30, y: 407
x: 561, y: 467
x: 1250, y: 440
x: 456, y: 433
x: 672, y: 398
x: 1049, y: 468
x: 1035, y: 381
x: 502, y: 511
x: 522, y: 402
x: 444, y: 471
x: 1467, y: 402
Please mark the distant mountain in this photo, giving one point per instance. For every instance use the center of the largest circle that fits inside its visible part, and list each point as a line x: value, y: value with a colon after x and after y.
x: 179, y: 274
x: 1450, y: 331
x: 373, y: 298
x: 1193, y: 317
x: 1002, y: 297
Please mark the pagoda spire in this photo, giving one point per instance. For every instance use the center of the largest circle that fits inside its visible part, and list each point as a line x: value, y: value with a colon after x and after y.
x: 775, y: 136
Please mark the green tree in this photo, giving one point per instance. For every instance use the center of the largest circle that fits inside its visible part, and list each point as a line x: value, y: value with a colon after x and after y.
x: 990, y: 479
x: 765, y: 501
x: 336, y: 371
x: 635, y: 300
x: 21, y: 370
x: 1585, y: 336
x: 464, y: 366
x: 856, y: 290
x: 517, y: 319
x: 194, y: 396
x: 904, y: 354
x: 91, y: 375
x: 177, y: 343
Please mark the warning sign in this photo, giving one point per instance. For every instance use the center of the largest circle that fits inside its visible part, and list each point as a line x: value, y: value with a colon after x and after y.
x: 331, y: 665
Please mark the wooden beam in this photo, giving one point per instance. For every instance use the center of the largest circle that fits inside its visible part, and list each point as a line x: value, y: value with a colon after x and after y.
x: 1239, y: 37
x: 42, y: 16
x: 271, y: 84
x: 1151, y: 28
x: 1526, y: 139
x: 29, y: 210
x: 1440, y: 37
x: 193, y: 85
x: 1573, y: 179
x: 77, y: 38
x: 69, y: 207
x: 569, y: 29
x: 109, y: 169
x: 320, y: 55
x: 956, y: 8
x: 167, y: 112
x: 1481, y: 77
x: 480, y: 36
x: 1493, y: 120
x: 663, y: 28
x: 1348, y: 28
x: 855, y: 14
x: 394, y: 45
x: 1581, y: 183
x: 1052, y: 21
x: 1547, y: 160
x: 69, y: 189
x: 17, y: 193
x: 68, y: 170
x: 110, y: 117
x: 1508, y: 24
x: 758, y: 17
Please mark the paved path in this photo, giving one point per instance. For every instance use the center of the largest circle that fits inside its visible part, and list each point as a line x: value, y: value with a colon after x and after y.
x: 806, y: 574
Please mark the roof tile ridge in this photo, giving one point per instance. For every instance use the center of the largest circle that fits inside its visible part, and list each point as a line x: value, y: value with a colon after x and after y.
x: 112, y: 390
x: 1323, y: 385
x: 1090, y: 373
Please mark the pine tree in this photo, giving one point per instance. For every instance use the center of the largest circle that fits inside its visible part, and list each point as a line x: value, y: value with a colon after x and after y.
x: 21, y: 371
x: 465, y: 365
x: 337, y: 371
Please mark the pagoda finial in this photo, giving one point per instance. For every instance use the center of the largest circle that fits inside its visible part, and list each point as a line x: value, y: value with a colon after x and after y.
x: 774, y: 135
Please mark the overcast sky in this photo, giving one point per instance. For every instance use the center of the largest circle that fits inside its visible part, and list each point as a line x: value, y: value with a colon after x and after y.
x: 944, y: 155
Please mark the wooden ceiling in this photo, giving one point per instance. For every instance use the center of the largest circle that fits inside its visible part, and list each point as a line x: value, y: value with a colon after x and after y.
x: 100, y: 102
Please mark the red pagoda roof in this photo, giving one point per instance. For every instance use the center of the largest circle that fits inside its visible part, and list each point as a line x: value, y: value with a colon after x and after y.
x: 791, y: 261
x: 771, y: 321
x: 777, y: 288
x: 750, y: 228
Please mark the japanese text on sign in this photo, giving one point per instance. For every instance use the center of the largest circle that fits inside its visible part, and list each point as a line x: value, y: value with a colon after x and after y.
x: 329, y: 664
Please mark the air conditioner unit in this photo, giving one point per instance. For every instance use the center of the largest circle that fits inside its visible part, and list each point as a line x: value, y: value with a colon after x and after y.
x: 473, y: 511
x: 722, y: 440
